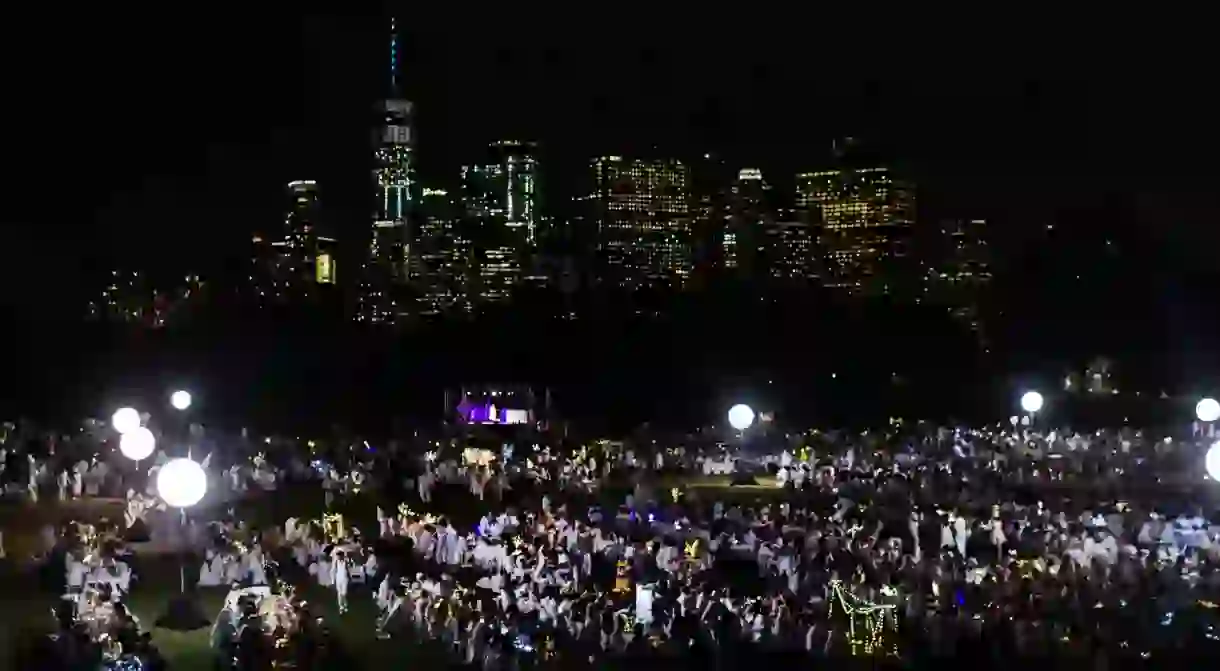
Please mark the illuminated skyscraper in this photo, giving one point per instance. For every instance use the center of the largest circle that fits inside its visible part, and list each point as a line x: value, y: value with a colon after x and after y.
x: 642, y: 213
x: 710, y: 210
x: 960, y: 270
x: 864, y: 218
x: 290, y: 264
x: 382, y: 296
x: 746, y: 226
x: 500, y: 199
x: 441, y: 257
x: 791, y: 251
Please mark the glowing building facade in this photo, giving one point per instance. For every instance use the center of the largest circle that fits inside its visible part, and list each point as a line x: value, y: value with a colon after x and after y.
x: 441, y: 257
x: 290, y: 264
x: 961, y: 268
x: 745, y: 229
x: 864, y: 218
x: 500, y: 202
x: 791, y: 250
x: 642, y: 214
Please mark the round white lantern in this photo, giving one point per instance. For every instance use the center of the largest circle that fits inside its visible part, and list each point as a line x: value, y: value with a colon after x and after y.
x: 137, y: 445
x: 1207, y: 410
x: 181, y: 483
x: 181, y: 400
x: 1031, y: 402
x: 741, y: 417
x: 1212, y: 461
x: 125, y: 420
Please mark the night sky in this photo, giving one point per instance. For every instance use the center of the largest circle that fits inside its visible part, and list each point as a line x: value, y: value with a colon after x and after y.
x: 160, y: 142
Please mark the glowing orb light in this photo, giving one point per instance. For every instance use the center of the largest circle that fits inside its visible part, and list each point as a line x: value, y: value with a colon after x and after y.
x: 1207, y: 410
x: 125, y: 420
x: 137, y: 445
x: 181, y: 483
x: 181, y: 400
x: 1212, y: 462
x: 1031, y: 402
x: 741, y: 417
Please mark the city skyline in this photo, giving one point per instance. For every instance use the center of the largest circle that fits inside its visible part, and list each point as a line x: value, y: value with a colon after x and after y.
x: 645, y: 222
x: 167, y: 150
x: 1020, y: 153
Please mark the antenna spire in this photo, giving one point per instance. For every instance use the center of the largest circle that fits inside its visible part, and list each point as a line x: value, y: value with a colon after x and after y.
x: 393, y: 56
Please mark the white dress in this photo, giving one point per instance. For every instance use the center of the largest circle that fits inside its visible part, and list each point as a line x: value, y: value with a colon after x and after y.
x: 208, y: 577
x: 997, y: 533
x: 234, y: 571
x: 76, y: 573
x: 254, y: 567
x: 320, y: 570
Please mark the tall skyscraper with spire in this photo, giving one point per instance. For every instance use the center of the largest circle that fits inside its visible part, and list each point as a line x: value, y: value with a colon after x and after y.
x: 383, y: 295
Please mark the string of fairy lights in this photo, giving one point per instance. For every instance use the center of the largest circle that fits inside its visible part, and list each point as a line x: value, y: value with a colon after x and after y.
x: 872, y: 627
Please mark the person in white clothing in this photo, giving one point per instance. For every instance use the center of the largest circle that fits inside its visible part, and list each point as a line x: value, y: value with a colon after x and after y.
x: 341, y: 573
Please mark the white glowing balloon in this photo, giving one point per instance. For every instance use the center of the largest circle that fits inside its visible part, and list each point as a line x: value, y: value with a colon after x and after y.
x: 137, y: 445
x: 125, y: 420
x: 181, y: 483
x: 181, y: 400
x: 741, y: 417
x: 1207, y: 410
x: 1212, y: 461
x: 1031, y: 402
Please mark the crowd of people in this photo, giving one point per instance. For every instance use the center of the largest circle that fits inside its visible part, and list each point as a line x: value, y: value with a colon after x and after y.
x: 907, y: 544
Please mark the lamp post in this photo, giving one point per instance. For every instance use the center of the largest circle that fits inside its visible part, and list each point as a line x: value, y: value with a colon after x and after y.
x: 1031, y: 404
x: 1207, y: 411
x: 137, y: 446
x: 741, y: 417
x: 181, y: 401
x: 181, y: 484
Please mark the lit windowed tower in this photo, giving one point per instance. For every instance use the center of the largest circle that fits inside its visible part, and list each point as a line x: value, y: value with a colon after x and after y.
x: 642, y: 213
x: 500, y: 199
x: 440, y: 261
x: 291, y: 263
x: 865, y: 217
x: 791, y: 252
x: 961, y: 269
x: 745, y: 229
x: 710, y: 211
x: 386, y: 270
